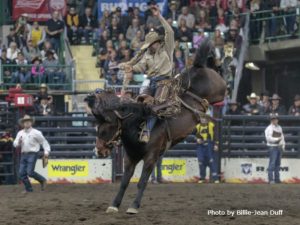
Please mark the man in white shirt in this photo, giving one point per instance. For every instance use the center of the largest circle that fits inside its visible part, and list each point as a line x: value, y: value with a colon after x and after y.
x: 30, y: 140
x: 275, y: 143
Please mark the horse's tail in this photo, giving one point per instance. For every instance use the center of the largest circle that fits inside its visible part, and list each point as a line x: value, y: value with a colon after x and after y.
x: 203, y: 52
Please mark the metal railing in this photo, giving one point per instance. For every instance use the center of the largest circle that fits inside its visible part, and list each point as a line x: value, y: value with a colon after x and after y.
x: 269, y: 25
x: 57, y: 77
x: 244, y: 135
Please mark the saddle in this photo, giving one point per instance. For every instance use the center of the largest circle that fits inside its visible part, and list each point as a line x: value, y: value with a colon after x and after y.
x: 166, y: 102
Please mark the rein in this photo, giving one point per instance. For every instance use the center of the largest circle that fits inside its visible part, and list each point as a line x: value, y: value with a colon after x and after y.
x: 203, y: 102
x: 119, y: 130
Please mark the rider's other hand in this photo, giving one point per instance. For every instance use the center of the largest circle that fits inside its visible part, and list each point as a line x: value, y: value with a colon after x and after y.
x: 128, y: 68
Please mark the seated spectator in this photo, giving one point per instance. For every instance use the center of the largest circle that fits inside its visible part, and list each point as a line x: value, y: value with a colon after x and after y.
x: 252, y: 108
x: 54, y: 29
x: 105, y: 20
x: 112, y: 61
x: 87, y: 23
x: 173, y: 13
x: 37, y: 71
x: 295, y: 108
x: 126, y: 55
x: 42, y: 92
x: 12, y: 37
x: 113, y: 79
x: 104, y: 37
x: 188, y: 17
x: 275, y: 107
x: 233, y: 108
x: 152, y: 22
x: 137, y: 41
x: 21, y: 74
x: 101, y: 59
x: 129, y: 77
x: 178, y: 61
x: 47, y: 47
x: 44, y: 108
x: 121, y: 48
x: 12, y: 51
x: 110, y: 46
x: 203, y: 21
x: 7, y: 70
x: 133, y: 29
x: 198, y: 38
x: 221, y: 21
x: 72, y: 23
x: 52, y: 71
x: 30, y: 52
x: 137, y: 15
x: 115, y: 29
x: 265, y: 101
x: 219, y: 42
x: 234, y: 37
x: 185, y: 34
x: 37, y: 35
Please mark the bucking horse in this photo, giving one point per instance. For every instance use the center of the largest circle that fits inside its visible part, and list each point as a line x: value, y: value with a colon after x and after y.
x: 122, y: 120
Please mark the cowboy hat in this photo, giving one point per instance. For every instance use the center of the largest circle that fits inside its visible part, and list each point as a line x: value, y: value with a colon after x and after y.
x: 36, y: 58
x: 297, y: 98
x: 150, y: 38
x: 251, y: 66
x: 44, y: 86
x: 26, y: 118
x: 275, y: 97
x: 253, y: 95
x: 273, y: 116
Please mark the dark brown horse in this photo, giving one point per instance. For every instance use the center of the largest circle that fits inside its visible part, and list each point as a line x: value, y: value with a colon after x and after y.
x: 117, y: 119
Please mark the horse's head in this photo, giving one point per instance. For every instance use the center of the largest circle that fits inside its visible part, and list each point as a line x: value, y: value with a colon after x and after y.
x: 101, y: 104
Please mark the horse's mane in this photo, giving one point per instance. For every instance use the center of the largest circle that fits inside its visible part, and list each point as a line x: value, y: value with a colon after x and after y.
x: 204, y: 51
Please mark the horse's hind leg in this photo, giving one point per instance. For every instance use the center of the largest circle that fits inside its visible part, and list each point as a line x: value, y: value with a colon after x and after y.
x: 129, y: 170
x: 147, y: 170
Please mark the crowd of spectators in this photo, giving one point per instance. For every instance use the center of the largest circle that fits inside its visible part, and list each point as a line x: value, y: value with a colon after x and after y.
x: 31, y: 55
x: 265, y: 104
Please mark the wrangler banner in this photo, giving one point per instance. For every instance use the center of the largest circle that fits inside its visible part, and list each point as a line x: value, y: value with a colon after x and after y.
x: 76, y: 171
x: 38, y: 10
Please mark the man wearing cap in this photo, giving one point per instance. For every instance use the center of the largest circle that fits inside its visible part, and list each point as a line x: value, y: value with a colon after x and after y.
x: 156, y: 60
x: 44, y: 108
x: 30, y: 140
x: 275, y: 143
x: 275, y: 106
x: 265, y: 101
x: 206, y: 146
x: 295, y: 108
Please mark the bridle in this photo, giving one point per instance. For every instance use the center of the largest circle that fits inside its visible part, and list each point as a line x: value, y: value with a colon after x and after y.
x: 118, y: 133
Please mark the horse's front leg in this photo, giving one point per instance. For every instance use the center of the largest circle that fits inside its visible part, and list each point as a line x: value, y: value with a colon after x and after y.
x: 129, y: 170
x: 149, y: 164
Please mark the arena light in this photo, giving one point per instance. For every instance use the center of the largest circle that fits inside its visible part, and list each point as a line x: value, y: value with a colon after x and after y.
x: 252, y: 66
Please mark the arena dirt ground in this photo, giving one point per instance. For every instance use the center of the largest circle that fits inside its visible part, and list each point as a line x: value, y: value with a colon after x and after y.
x: 185, y: 204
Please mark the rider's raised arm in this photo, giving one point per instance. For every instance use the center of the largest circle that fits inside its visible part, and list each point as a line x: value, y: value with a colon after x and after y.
x: 169, y: 37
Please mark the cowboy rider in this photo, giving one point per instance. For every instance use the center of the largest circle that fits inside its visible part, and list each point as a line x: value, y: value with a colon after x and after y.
x: 156, y: 60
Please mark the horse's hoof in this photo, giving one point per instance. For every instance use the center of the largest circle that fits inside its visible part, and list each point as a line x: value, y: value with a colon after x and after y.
x: 132, y: 211
x: 112, y: 209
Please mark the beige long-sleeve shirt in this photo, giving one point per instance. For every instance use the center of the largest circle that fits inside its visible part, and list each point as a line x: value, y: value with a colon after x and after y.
x: 31, y: 140
x: 161, y: 63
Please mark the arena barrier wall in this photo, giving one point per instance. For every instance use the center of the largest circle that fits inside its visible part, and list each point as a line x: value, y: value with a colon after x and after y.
x: 174, y: 170
x: 254, y: 170
x: 76, y: 170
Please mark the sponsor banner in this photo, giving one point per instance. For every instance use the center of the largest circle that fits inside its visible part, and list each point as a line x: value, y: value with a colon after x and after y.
x: 39, y: 10
x: 76, y: 171
x: 255, y: 170
x: 125, y: 4
x: 174, y: 170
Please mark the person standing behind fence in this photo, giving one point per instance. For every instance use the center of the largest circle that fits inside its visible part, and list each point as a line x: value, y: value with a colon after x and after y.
x: 275, y: 143
x: 205, y: 149
x: 30, y: 140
